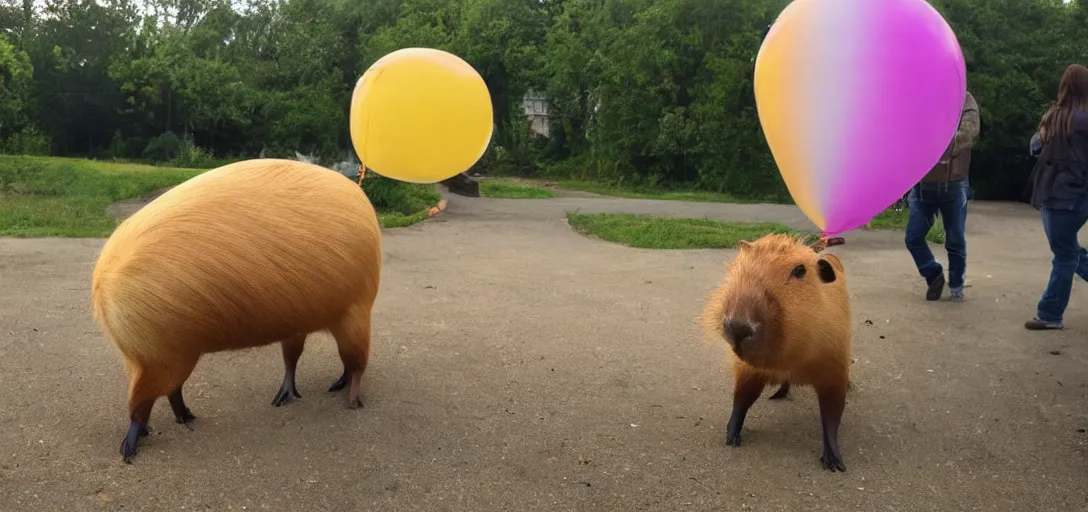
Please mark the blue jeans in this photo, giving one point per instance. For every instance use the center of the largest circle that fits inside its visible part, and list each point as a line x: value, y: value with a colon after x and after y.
x: 1062, y: 226
x: 925, y: 201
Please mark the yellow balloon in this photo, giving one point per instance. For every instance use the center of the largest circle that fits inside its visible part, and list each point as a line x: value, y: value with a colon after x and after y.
x: 420, y: 115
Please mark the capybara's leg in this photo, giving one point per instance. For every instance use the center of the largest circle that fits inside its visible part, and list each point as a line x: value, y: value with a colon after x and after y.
x: 292, y: 350
x: 146, y: 385
x: 832, y: 400
x: 746, y: 391
x: 182, y: 414
x: 783, y: 391
x: 353, y: 341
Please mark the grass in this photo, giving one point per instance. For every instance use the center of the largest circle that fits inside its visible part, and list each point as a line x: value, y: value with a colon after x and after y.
x: 68, y: 197
x: 650, y: 232
x: 888, y: 220
x: 100, y: 166
x: 44, y: 196
x: 891, y: 219
x: 503, y: 189
x: 651, y: 193
x: 400, y: 220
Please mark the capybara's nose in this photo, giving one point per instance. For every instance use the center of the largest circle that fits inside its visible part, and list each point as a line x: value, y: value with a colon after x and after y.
x: 738, y: 331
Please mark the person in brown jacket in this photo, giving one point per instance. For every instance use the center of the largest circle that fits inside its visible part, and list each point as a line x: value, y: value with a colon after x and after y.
x: 944, y: 190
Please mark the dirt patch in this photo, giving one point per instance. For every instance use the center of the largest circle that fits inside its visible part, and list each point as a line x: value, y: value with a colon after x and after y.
x: 122, y: 210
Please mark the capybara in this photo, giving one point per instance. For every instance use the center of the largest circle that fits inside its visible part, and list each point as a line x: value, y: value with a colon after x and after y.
x: 784, y: 311
x: 244, y: 255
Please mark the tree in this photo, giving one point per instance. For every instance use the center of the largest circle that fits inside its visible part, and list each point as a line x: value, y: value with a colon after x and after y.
x: 16, y: 74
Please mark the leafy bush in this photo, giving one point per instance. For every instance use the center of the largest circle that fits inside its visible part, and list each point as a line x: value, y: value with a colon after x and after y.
x: 28, y: 141
x: 118, y: 146
x: 393, y: 196
x: 191, y: 156
x: 163, y: 148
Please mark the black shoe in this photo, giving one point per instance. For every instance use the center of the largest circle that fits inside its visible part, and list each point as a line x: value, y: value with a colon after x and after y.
x: 463, y: 185
x: 1038, y: 325
x: 936, y: 288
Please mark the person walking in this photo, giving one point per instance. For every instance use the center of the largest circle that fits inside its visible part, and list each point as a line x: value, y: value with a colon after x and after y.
x: 944, y: 190
x: 1060, y: 193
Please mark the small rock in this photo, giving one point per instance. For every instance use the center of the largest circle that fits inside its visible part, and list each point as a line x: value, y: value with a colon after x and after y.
x: 1055, y: 352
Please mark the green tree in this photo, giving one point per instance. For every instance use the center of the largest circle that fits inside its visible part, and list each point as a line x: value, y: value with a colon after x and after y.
x: 16, y: 73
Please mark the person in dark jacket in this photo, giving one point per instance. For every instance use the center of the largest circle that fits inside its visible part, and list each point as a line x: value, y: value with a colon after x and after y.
x: 1060, y: 193
x: 944, y: 190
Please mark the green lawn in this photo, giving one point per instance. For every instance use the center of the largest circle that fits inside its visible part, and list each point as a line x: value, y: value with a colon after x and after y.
x: 100, y: 166
x: 651, y: 193
x: 650, y: 232
x: 68, y: 197
x: 891, y: 219
x: 888, y: 220
x: 504, y: 189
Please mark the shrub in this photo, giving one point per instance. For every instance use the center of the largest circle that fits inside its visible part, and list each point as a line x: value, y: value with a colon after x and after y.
x: 389, y: 195
x: 28, y: 141
x: 163, y: 148
x: 191, y: 156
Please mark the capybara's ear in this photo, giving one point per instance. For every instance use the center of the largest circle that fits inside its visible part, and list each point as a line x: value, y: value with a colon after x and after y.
x: 744, y: 245
x: 827, y: 272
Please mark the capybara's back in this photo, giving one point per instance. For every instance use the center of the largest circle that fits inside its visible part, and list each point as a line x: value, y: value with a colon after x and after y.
x: 247, y: 254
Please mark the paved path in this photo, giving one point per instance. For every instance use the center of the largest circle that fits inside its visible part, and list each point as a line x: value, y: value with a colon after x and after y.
x: 520, y: 366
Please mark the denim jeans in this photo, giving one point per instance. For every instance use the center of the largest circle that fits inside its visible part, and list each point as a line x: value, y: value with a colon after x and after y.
x: 1062, y: 226
x: 925, y: 201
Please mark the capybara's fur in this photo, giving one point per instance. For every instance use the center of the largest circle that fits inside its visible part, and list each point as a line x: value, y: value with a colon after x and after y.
x: 784, y: 311
x: 248, y: 254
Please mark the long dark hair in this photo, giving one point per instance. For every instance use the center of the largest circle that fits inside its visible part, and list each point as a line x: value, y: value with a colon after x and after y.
x: 1056, y: 124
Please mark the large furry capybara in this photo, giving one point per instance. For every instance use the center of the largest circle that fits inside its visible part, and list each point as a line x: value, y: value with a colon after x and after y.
x: 248, y: 254
x: 784, y: 311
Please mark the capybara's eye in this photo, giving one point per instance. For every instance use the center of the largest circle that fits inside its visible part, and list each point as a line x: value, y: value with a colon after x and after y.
x: 799, y: 271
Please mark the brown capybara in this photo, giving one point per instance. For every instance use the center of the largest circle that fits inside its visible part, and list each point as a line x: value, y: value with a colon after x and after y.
x: 248, y: 254
x: 784, y: 311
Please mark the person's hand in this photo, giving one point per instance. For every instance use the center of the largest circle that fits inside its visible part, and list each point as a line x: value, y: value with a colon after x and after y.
x: 1035, y: 147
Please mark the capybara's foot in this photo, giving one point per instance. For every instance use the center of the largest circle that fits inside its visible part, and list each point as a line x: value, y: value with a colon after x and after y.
x: 182, y: 414
x: 131, y: 440
x: 340, y: 384
x: 286, y: 392
x: 349, y: 380
x: 732, y: 437
x: 832, y: 460
x: 782, y: 392
x: 185, y: 418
